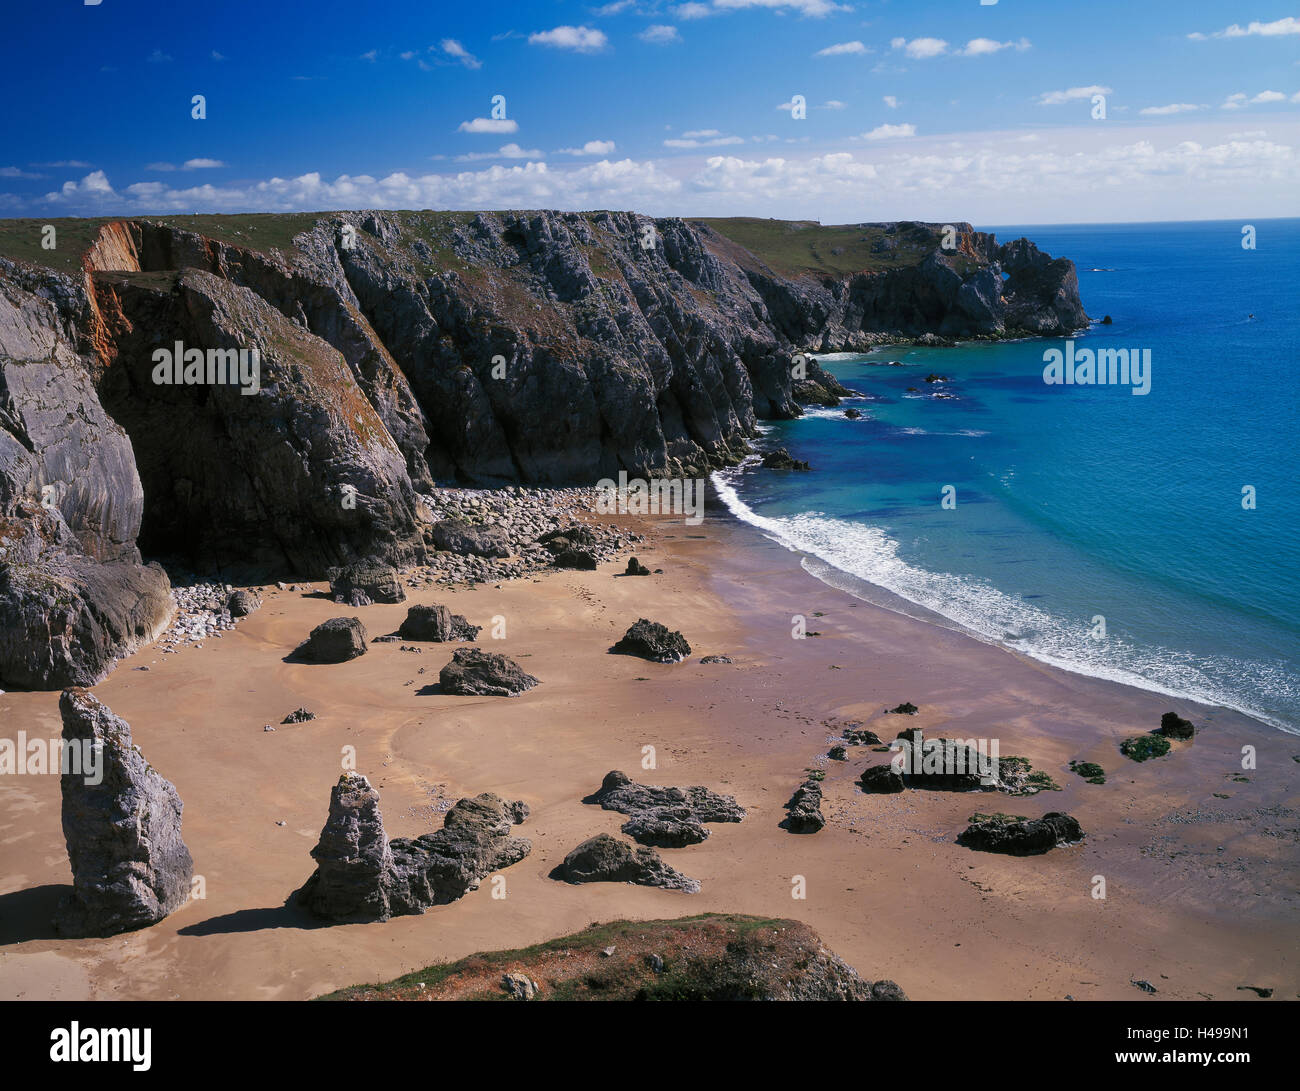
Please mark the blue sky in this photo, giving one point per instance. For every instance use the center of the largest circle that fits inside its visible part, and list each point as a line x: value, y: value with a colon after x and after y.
x: 934, y: 110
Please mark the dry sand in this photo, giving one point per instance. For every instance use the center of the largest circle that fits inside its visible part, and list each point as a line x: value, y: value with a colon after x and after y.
x: 1201, y: 892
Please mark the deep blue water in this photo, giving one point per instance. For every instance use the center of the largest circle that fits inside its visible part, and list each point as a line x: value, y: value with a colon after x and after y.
x: 1078, y: 502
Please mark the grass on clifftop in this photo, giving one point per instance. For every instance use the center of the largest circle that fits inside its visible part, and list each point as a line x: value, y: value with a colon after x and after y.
x: 800, y: 247
x: 573, y: 967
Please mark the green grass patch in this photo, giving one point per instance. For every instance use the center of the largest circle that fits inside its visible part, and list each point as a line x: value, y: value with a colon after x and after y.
x: 1142, y: 747
x: 1090, y: 771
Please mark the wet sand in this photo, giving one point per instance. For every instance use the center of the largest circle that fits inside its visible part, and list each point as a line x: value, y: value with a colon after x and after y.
x: 1201, y: 892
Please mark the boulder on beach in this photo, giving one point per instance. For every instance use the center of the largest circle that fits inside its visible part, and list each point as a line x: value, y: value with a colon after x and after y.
x: 805, y: 815
x: 334, y: 641
x: 563, y: 539
x: 636, y: 568
x: 667, y: 817
x: 856, y: 735
x: 781, y: 459
x: 1173, y: 726
x: 905, y: 709
x: 475, y: 673
x: 652, y: 641
x: 366, y: 583
x: 436, y: 623
x: 716, y: 659
x: 606, y: 859
x: 458, y: 536
x: 242, y: 603
x: 362, y: 875
x: 298, y: 716
x: 1020, y: 836
x: 130, y: 867
x: 582, y: 559
x: 881, y: 778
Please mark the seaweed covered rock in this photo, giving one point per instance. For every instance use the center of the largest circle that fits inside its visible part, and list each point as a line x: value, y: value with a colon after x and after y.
x: 475, y: 673
x: 606, y: 859
x: 365, y: 583
x: 334, y: 641
x: 1173, y: 726
x: 362, y: 875
x: 1020, y: 836
x: 652, y: 641
x: 436, y: 623
x: 122, y: 825
x: 667, y: 817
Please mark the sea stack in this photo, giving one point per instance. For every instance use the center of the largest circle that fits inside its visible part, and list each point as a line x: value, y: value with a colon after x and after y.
x: 130, y: 867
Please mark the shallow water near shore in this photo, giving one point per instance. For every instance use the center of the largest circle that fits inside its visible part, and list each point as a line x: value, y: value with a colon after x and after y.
x: 1080, y: 503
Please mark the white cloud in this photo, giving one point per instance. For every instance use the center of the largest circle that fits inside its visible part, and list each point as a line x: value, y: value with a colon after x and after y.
x: 920, y: 48
x: 1241, y: 99
x: 702, y: 138
x: 452, y: 48
x: 591, y: 147
x: 579, y: 39
x: 982, y: 47
x: 489, y: 125
x: 832, y: 104
x: 660, y: 34
x: 201, y: 164
x: 217, y: 56
x: 1172, y: 108
x: 160, y: 166
x: 17, y: 172
x: 1269, y: 96
x: 813, y: 8
x: 1056, y: 98
x: 693, y: 11
x: 370, y: 55
x: 506, y: 151
x: 1288, y: 25
x: 889, y: 132
x: 841, y: 49
x: 890, y: 101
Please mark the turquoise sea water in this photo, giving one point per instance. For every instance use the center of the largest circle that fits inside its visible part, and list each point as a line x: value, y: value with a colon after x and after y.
x: 1081, y: 502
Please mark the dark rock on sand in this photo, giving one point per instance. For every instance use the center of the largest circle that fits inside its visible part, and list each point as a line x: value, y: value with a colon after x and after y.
x: 860, y: 736
x: 780, y: 459
x: 361, y: 875
x: 436, y: 623
x: 804, y: 808
x: 650, y: 640
x: 668, y: 817
x: 838, y: 752
x: 1021, y: 837
x: 636, y: 568
x: 457, y: 536
x: 1143, y: 747
x: 298, y: 716
x: 334, y: 641
x: 581, y: 559
x: 905, y: 709
x: 1173, y: 726
x: 881, y: 778
x: 366, y: 583
x: 475, y: 673
x: 606, y: 859
x: 716, y: 659
x: 130, y: 867
x: 243, y: 603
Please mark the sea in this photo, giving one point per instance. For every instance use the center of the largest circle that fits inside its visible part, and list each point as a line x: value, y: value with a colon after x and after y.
x: 1150, y: 539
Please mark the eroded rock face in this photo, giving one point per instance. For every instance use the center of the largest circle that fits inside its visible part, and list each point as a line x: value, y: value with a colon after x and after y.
x: 667, y: 817
x: 459, y: 537
x: 475, y: 673
x: 362, y: 875
x: 130, y: 867
x: 436, y: 623
x: 334, y: 641
x: 366, y: 583
x: 653, y: 641
x: 1026, y: 837
x: 606, y: 859
x: 881, y: 779
x: 243, y: 603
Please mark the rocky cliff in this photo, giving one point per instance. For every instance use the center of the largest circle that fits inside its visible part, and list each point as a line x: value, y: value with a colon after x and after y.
x: 399, y: 349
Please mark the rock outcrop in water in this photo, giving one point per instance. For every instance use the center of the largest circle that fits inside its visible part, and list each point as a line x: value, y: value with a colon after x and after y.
x: 130, y: 867
x: 394, y: 349
x: 362, y: 875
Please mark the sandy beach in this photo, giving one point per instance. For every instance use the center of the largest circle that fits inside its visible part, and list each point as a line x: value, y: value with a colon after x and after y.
x: 1198, y: 857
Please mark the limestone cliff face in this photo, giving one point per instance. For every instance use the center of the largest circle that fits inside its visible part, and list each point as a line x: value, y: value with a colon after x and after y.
x: 399, y: 349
